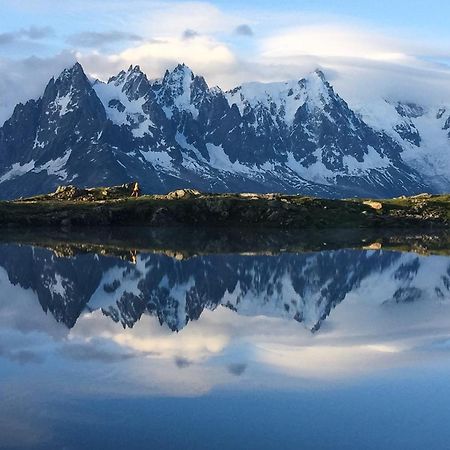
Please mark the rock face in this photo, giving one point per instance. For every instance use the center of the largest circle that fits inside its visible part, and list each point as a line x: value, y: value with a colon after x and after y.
x: 177, y: 132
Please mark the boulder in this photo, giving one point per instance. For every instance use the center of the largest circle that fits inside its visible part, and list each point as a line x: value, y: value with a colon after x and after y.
x: 374, y: 205
x: 68, y: 192
x: 183, y: 193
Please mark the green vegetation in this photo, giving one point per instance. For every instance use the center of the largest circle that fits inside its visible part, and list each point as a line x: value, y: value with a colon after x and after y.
x: 72, y: 207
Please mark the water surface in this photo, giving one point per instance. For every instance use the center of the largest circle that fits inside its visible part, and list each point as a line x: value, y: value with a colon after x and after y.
x: 283, y: 343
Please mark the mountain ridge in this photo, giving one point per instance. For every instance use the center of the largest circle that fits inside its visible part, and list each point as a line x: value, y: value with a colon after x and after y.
x: 176, y: 131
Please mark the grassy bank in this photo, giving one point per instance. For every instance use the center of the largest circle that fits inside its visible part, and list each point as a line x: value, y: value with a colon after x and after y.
x: 112, y: 207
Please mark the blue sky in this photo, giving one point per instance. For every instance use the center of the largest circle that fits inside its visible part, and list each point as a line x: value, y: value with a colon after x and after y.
x: 399, y: 46
x: 428, y: 18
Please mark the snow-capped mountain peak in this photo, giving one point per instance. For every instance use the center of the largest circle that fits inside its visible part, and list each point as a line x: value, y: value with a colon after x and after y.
x: 70, y: 72
x: 295, y: 136
x: 282, y: 99
x: 319, y: 91
x: 124, y: 98
x: 64, y: 91
x: 180, y: 90
x: 133, y: 83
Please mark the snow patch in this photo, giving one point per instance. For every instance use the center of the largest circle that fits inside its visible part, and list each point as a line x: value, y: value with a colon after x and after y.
x: 220, y: 160
x: 55, y: 166
x: 17, y: 170
x: 58, y: 287
x: 372, y: 161
x: 123, y: 111
x: 317, y: 172
x: 160, y: 159
x: 63, y: 104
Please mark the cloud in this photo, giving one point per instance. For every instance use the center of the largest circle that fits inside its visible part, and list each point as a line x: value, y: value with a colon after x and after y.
x: 243, y: 30
x: 333, y: 40
x: 22, y: 356
x: 237, y: 369
x: 356, y: 57
x: 190, y: 34
x: 171, y: 19
x: 281, y: 354
x: 32, y: 33
x: 182, y: 363
x: 25, y: 79
x: 37, y: 32
x: 92, y: 352
x: 205, y: 55
x: 348, y: 52
x: 99, y: 39
x: 288, y: 46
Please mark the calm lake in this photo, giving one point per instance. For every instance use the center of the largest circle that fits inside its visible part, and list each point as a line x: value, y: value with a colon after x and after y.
x: 195, y: 341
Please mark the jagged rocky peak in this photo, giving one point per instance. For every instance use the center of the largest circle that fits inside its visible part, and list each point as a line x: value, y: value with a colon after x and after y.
x: 133, y: 82
x: 69, y: 104
x: 62, y: 94
x: 70, y: 72
x: 181, y: 89
x: 182, y: 76
x: 71, y: 97
x: 72, y: 79
x: 321, y: 75
x: 127, y: 99
x: 133, y: 71
x: 118, y: 79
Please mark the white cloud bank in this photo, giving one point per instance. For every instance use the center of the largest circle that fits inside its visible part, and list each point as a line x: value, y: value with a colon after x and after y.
x: 24, y: 79
x: 362, y: 62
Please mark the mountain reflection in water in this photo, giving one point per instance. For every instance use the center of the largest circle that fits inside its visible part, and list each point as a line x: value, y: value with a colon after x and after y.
x: 95, y: 325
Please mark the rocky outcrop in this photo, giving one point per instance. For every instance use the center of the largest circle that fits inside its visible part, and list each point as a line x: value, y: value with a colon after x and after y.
x: 73, y: 193
x: 70, y: 206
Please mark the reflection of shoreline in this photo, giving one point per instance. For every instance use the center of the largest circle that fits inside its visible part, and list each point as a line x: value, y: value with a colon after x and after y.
x: 185, y: 242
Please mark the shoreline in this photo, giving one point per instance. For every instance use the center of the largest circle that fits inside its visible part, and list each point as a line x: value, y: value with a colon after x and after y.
x: 185, y: 242
x: 185, y: 207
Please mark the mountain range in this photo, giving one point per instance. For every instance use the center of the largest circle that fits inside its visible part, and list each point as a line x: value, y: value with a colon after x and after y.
x: 177, y: 132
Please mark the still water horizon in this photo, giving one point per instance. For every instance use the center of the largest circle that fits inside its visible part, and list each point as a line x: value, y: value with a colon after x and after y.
x: 121, y: 347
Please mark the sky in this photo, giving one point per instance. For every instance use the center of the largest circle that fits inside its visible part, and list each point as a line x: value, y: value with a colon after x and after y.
x: 398, y: 48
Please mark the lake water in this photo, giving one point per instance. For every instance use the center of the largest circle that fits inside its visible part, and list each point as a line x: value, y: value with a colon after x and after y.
x: 183, y: 342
